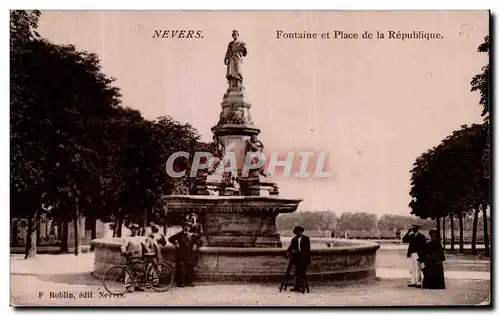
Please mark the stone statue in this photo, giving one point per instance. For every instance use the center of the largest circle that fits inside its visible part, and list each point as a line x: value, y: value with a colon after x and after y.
x: 255, y: 145
x: 274, y: 190
x: 236, y: 50
x: 219, y: 147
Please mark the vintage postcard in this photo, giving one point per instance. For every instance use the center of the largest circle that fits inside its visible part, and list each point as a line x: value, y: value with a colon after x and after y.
x: 250, y: 158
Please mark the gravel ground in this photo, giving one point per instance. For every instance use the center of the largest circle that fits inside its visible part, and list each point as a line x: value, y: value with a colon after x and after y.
x: 67, y: 275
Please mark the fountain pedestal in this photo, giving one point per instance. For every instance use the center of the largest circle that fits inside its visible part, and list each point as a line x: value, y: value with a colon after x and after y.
x: 235, y: 221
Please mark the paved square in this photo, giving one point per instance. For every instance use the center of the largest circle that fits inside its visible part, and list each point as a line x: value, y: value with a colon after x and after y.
x: 35, y: 283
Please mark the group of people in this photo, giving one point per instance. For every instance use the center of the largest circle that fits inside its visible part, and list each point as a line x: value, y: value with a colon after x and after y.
x: 187, y: 242
x: 426, y: 259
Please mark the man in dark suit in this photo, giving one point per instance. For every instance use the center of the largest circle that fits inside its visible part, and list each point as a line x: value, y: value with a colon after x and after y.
x: 416, y: 244
x: 300, y: 252
x: 182, y: 242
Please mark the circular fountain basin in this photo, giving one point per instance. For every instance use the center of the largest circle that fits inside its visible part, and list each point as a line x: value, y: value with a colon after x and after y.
x: 345, y: 260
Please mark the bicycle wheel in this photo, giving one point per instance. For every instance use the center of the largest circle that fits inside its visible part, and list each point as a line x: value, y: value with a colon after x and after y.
x: 160, y: 277
x: 118, y: 279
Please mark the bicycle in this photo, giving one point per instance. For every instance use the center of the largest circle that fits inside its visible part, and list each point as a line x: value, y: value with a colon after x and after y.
x: 158, y: 276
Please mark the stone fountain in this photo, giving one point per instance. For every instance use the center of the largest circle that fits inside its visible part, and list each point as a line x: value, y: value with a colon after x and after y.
x: 238, y: 216
x: 239, y: 223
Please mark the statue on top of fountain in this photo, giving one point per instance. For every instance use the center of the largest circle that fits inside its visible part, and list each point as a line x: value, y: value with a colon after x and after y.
x: 233, y: 59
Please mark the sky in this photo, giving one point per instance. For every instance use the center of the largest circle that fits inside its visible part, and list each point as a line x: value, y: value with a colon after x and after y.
x: 372, y: 105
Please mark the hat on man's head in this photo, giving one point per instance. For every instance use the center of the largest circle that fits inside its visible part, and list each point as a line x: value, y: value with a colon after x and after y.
x: 134, y: 226
x: 433, y: 232
x: 298, y: 229
x: 415, y: 225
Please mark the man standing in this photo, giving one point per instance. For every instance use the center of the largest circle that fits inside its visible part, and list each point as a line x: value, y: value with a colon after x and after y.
x: 183, y: 262
x: 196, y: 233
x: 132, y: 249
x: 416, y: 243
x: 159, y: 241
x: 300, y: 252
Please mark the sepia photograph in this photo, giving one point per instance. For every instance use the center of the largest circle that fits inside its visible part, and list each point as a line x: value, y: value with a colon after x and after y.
x: 250, y: 158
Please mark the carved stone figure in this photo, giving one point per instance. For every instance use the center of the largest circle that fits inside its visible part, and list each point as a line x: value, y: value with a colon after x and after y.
x: 274, y: 190
x: 219, y: 147
x: 236, y: 50
x: 236, y: 117
x: 255, y: 145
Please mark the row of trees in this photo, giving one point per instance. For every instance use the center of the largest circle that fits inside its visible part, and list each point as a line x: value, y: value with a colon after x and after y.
x: 348, y: 221
x: 75, y: 150
x: 451, y: 181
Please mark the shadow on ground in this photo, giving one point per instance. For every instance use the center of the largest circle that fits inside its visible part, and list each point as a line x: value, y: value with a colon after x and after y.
x: 80, y: 278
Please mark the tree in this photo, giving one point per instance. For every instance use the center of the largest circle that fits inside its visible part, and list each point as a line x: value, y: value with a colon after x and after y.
x: 447, y: 179
x: 359, y: 221
x: 316, y: 221
x: 57, y: 128
x: 75, y: 148
x: 26, y: 158
x: 482, y: 83
x: 75, y: 103
x: 141, y: 156
x: 23, y: 28
x: 426, y: 200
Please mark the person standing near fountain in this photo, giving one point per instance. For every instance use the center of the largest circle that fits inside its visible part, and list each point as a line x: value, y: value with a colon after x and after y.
x: 133, y: 250
x: 158, y: 240
x: 184, y: 267
x: 432, y: 263
x: 300, y: 252
x: 416, y: 244
x: 196, y: 233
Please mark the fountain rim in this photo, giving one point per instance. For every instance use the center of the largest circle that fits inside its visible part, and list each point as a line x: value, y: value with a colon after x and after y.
x: 357, y: 246
x: 232, y: 204
x: 256, y: 198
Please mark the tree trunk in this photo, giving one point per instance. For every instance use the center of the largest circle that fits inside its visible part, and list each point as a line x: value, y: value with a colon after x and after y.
x: 64, y: 235
x: 438, y: 228
x: 30, y: 251
x: 452, y: 237
x: 118, y: 225
x: 474, y: 231
x: 77, y: 228
x: 115, y: 227
x: 144, y: 222
x: 486, y: 237
x: 38, y: 230
x: 15, y: 232
x: 461, y: 226
x: 93, y: 230
x: 444, y: 232
x: 47, y: 229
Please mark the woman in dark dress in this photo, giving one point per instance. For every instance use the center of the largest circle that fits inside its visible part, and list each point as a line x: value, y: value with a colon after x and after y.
x: 433, y: 257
